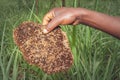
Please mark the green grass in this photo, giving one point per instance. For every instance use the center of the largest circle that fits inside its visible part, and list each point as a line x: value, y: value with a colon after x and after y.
x: 96, y: 54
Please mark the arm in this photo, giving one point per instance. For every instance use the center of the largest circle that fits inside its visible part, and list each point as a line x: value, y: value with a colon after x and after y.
x: 108, y: 24
x: 62, y: 16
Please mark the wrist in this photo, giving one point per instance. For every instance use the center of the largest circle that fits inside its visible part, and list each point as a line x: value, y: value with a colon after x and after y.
x: 81, y: 14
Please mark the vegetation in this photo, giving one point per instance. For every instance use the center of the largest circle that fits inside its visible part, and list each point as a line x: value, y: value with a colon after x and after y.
x: 96, y: 54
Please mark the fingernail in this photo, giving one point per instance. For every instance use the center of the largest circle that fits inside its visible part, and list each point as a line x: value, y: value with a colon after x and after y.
x: 44, y: 23
x: 45, y: 31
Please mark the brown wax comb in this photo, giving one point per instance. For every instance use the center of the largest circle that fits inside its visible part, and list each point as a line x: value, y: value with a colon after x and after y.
x: 50, y: 52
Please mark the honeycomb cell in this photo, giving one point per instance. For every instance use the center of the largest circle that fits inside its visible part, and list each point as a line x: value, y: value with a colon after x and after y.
x: 50, y: 52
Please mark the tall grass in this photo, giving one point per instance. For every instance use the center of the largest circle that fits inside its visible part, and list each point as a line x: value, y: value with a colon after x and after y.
x: 96, y: 54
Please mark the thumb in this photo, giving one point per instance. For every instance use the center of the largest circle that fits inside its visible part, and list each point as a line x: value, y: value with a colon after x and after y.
x: 55, y: 22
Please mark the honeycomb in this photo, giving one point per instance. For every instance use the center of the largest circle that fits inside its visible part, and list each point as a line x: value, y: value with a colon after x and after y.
x: 50, y: 52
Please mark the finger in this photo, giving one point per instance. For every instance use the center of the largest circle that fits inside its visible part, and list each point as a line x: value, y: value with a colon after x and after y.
x: 76, y: 22
x: 52, y: 24
x: 48, y: 17
x: 57, y: 21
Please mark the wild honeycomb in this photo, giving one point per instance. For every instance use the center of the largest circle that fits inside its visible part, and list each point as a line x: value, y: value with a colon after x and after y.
x: 50, y: 52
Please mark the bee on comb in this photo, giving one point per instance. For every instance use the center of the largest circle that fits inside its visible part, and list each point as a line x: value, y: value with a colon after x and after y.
x: 50, y: 52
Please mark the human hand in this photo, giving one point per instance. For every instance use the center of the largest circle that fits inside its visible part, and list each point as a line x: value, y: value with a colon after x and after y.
x: 60, y: 16
x: 97, y: 20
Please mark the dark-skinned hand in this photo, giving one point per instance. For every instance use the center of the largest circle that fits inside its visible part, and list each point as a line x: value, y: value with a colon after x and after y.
x: 60, y: 16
